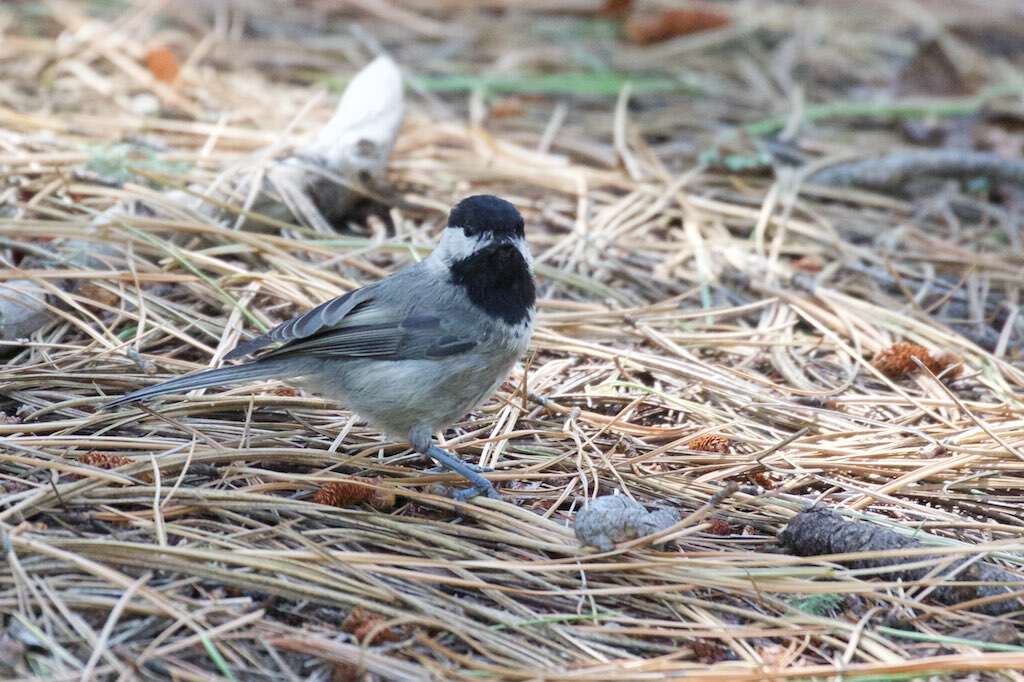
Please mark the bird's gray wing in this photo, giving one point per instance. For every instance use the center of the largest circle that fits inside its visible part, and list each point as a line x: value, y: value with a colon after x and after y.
x: 367, y: 323
x: 310, y: 322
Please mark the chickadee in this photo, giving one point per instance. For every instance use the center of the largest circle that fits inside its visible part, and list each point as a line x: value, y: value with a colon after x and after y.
x: 414, y: 352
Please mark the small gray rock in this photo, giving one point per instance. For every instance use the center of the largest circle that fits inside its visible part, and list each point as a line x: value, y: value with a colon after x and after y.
x: 617, y: 518
x: 657, y: 521
x: 23, y: 308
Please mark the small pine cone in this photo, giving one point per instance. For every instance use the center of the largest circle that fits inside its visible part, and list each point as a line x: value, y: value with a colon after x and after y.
x: 897, y: 361
x: 383, y: 498
x: 102, y: 460
x: 342, y: 494
x: 353, y: 491
x: 710, y: 442
x: 937, y: 363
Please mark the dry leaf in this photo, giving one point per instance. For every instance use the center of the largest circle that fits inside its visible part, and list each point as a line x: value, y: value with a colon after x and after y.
x: 360, y: 622
x: 762, y: 479
x: 342, y: 671
x: 719, y: 527
x: 708, y: 651
x: 616, y: 9
x: 507, y: 107
x: 931, y: 73
x: 776, y: 656
x: 97, y: 294
x: 809, y: 263
x: 647, y: 29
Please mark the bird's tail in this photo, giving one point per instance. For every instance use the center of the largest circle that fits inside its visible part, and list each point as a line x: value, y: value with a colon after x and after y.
x: 211, y: 377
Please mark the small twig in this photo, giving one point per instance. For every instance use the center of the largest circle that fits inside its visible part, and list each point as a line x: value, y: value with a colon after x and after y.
x: 925, y: 108
x: 890, y: 173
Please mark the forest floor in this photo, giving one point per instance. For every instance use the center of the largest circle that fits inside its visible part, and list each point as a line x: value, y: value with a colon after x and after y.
x: 780, y: 264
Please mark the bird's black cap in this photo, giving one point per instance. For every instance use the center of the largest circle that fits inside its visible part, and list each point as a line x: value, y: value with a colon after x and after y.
x: 486, y: 213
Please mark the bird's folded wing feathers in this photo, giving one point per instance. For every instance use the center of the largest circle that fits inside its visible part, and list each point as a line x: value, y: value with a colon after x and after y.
x: 362, y: 325
x: 408, y: 338
x: 310, y: 322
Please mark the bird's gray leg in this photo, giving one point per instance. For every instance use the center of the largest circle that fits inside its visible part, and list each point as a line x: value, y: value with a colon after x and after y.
x: 423, y: 444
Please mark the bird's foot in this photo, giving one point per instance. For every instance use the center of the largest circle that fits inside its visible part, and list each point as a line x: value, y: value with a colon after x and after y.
x: 465, y: 494
x: 480, y: 485
x: 471, y: 467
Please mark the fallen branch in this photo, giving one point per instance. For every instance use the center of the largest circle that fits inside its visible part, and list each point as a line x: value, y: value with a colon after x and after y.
x: 892, y: 172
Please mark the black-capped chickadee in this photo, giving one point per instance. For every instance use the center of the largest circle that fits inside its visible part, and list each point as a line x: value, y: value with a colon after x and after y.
x: 414, y: 352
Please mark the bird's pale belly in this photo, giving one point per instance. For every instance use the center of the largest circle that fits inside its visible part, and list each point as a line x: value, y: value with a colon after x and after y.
x: 397, y: 396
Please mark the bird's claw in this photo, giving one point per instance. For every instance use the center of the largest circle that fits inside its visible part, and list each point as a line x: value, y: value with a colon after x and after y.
x: 464, y: 494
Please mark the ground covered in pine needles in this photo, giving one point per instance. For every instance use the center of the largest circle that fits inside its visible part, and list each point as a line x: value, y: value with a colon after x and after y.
x: 734, y: 324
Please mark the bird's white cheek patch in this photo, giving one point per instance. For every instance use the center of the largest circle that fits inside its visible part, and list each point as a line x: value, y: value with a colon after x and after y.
x: 455, y: 245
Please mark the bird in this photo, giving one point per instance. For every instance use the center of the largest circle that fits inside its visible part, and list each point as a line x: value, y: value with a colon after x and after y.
x: 414, y: 352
